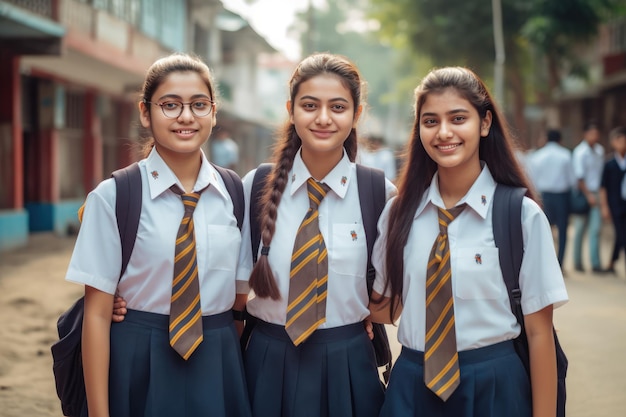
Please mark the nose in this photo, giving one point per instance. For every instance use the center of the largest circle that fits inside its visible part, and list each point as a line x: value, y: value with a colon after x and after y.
x: 445, y: 130
x: 186, y: 114
x: 324, y: 116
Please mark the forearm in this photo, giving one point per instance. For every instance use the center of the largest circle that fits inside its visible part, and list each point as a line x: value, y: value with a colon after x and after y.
x: 380, y: 308
x: 240, y: 304
x: 543, y: 375
x: 96, y: 351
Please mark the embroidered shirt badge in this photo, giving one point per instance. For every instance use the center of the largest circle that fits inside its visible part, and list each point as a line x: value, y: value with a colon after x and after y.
x: 155, y: 174
x: 478, y: 258
x: 344, y: 180
x: 483, y: 199
x: 353, y: 234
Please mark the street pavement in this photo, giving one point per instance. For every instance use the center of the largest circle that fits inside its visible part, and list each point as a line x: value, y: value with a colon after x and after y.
x: 591, y: 328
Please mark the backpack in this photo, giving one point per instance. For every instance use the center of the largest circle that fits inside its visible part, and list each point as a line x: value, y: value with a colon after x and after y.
x: 372, y: 196
x: 507, y: 230
x: 66, y: 352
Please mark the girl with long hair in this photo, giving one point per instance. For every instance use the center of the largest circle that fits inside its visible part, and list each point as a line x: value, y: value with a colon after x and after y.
x: 437, y: 264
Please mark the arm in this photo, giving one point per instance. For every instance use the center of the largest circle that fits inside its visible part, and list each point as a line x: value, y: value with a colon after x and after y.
x: 543, y: 377
x: 379, y: 311
x: 96, y: 349
x: 604, y: 204
x: 240, y: 304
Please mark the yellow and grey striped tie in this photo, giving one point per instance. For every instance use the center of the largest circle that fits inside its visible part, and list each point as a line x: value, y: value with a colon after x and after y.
x: 441, y: 360
x: 185, y: 312
x: 308, y: 281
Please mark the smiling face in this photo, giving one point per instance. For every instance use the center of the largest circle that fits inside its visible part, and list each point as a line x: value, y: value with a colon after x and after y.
x: 451, y: 129
x: 323, y: 114
x: 185, y: 134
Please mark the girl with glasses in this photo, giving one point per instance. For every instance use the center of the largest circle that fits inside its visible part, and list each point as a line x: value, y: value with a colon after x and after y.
x: 186, y: 247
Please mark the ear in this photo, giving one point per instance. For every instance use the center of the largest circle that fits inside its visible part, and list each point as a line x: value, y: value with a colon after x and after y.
x: 485, y: 124
x: 144, y: 114
x: 213, y: 115
x: 289, y: 111
x: 357, y: 114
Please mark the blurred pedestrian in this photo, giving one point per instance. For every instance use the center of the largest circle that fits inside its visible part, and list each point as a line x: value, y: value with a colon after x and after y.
x: 156, y: 362
x: 376, y: 154
x: 588, y: 162
x: 224, y: 150
x: 454, y: 301
x: 612, y: 199
x: 551, y: 171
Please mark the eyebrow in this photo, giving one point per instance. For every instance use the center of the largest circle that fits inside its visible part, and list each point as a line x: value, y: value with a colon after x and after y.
x: 177, y: 97
x: 317, y: 99
x: 454, y: 111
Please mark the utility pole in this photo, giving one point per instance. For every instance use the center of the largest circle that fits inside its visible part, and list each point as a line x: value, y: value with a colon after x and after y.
x: 498, y: 38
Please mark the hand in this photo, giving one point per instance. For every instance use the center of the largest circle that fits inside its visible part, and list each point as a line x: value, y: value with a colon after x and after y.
x: 119, y: 309
x: 369, y: 328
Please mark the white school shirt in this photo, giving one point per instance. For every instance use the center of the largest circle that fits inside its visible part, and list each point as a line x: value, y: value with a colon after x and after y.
x: 147, y: 283
x: 588, y: 164
x: 341, y: 226
x: 481, y: 304
x: 551, y: 168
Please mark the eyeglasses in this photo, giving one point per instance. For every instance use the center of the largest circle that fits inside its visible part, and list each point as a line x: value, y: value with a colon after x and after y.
x: 173, y: 109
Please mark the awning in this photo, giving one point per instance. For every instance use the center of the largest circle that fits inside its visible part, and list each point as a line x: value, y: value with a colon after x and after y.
x: 27, y: 33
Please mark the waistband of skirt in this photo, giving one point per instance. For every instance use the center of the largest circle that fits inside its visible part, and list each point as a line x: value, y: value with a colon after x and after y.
x: 467, y: 356
x: 318, y: 336
x: 162, y: 321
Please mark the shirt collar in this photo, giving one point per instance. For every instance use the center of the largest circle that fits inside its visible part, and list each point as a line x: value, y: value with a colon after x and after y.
x: 338, y: 179
x: 161, y: 177
x: 621, y: 161
x: 478, y: 197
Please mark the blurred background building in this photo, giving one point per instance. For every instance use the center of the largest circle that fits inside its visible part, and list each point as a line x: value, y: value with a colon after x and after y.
x: 70, y: 71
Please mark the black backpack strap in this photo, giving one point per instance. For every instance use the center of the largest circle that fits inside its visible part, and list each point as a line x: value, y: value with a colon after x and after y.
x: 234, y: 187
x: 372, y: 197
x: 507, y: 233
x: 258, y: 183
x: 128, y: 190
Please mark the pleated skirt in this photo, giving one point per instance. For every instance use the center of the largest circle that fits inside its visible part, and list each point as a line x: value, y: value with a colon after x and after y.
x: 493, y: 383
x: 148, y: 378
x: 332, y: 374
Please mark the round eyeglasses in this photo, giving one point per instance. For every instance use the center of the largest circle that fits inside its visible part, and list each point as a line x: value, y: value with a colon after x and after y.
x: 173, y: 109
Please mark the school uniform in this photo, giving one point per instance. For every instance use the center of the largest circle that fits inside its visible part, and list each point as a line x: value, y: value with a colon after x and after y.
x: 493, y: 381
x: 612, y: 180
x: 147, y: 377
x: 333, y: 372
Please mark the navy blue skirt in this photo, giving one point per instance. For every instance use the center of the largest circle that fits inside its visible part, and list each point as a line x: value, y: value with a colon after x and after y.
x: 148, y: 377
x: 332, y: 374
x: 494, y: 383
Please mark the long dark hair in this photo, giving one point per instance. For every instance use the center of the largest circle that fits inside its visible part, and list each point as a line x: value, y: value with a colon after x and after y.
x: 497, y: 150
x: 262, y: 279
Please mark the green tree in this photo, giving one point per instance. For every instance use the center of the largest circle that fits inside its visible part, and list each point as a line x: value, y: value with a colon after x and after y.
x: 457, y: 32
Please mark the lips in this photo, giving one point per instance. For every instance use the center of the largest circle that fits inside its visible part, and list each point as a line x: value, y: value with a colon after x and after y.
x: 448, y: 147
x: 323, y: 133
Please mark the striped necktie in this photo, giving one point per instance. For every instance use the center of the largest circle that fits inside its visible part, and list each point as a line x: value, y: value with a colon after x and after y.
x: 441, y: 360
x: 185, y: 313
x: 306, y: 308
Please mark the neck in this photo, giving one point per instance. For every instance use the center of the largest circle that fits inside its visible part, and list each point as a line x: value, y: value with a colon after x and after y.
x: 454, y: 183
x: 186, y: 167
x: 320, y: 164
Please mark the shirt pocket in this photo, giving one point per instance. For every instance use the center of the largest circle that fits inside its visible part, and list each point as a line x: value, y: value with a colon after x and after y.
x: 348, y: 253
x: 478, y: 275
x: 223, y: 247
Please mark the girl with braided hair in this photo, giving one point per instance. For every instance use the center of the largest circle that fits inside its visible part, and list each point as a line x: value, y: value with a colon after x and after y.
x: 326, y: 366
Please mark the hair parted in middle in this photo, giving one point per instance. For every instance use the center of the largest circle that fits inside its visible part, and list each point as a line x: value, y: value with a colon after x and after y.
x: 496, y: 149
x: 262, y: 280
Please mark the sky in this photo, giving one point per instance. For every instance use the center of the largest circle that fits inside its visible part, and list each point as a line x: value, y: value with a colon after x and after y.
x: 271, y: 19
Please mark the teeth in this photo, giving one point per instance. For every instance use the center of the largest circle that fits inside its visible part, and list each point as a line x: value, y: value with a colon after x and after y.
x: 446, y: 147
x: 185, y: 131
